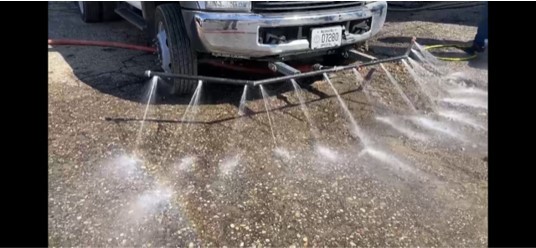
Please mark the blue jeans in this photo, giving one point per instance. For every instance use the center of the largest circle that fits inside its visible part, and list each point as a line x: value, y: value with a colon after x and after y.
x: 482, y: 33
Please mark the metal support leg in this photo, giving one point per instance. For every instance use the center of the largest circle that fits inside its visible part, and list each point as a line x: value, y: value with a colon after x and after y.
x: 354, y: 54
x: 283, y: 68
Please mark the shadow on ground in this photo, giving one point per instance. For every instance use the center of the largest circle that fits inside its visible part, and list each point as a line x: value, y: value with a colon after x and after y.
x: 470, y: 16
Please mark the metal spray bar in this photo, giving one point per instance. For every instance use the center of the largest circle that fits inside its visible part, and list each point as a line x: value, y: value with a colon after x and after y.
x: 254, y: 83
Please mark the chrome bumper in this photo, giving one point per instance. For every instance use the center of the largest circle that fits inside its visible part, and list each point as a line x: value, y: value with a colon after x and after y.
x: 236, y: 34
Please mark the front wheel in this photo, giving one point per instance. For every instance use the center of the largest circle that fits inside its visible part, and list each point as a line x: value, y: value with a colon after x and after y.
x: 89, y: 11
x: 97, y: 11
x: 175, y: 53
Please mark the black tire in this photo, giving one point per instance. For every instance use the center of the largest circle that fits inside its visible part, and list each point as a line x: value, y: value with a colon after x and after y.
x: 108, y: 11
x: 90, y: 11
x: 183, y: 58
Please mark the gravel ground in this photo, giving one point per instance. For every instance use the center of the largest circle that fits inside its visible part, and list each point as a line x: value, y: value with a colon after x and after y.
x: 408, y: 178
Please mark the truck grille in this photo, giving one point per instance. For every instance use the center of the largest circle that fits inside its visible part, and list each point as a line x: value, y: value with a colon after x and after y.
x: 292, y: 6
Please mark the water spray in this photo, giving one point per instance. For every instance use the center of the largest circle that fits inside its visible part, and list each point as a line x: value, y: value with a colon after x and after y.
x: 154, y: 82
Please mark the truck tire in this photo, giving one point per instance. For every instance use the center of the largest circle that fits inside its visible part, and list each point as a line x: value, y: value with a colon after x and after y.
x: 108, y: 11
x: 97, y: 11
x: 90, y: 11
x: 174, y: 50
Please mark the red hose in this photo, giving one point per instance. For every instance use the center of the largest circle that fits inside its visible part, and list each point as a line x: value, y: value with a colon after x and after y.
x: 244, y: 68
x: 68, y: 42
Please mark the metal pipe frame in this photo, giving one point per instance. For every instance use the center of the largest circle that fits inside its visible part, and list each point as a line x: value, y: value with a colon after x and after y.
x: 254, y: 83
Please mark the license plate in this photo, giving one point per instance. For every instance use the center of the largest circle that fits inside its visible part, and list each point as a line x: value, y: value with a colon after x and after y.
x: 326, y: 37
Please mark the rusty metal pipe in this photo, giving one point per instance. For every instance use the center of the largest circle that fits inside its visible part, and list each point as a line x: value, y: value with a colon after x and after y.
x: 320, y: 72
x: 207, y: 79
x: 219, y: 80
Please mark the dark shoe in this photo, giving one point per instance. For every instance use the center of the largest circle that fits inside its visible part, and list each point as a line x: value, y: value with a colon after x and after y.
x: 479, y: 49
x: 475, y: 49
x: 479, y: 46
x: 469, y: 50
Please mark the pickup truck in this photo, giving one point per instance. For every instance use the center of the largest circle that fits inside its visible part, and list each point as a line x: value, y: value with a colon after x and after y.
x: 185, y: 33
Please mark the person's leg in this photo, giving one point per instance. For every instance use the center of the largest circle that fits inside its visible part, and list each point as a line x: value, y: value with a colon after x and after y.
x: 482, y: 33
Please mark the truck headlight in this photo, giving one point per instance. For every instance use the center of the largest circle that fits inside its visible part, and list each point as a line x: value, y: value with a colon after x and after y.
x: 228, y: 5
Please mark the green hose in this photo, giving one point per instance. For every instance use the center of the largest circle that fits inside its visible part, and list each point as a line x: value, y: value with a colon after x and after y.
x: 463, y: 48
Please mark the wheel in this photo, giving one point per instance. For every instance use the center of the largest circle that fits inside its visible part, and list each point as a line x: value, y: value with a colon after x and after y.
x: 108, y: 11
x: 90, y: 11
x: 97, y: 11
x: 174, y: 50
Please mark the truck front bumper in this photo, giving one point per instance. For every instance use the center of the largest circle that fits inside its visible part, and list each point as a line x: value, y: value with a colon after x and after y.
x: 237, y: 34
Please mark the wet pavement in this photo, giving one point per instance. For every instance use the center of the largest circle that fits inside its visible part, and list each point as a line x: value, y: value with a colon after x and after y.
x: 220, y: 181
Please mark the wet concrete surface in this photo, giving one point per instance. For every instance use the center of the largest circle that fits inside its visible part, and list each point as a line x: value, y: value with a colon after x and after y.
x: 218, y: 182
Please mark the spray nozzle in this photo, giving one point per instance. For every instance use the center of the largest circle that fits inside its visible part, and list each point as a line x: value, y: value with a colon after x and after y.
x: 148, y: 73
